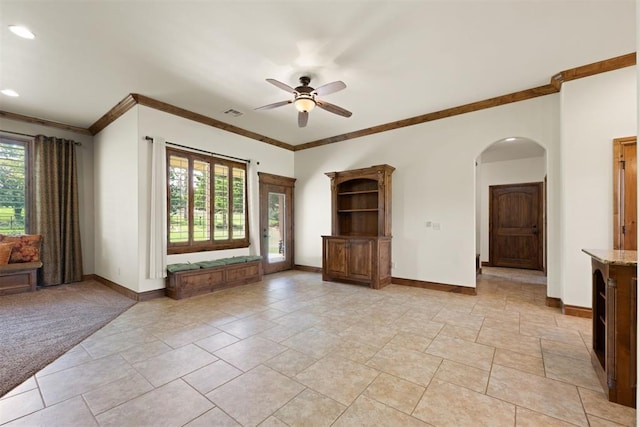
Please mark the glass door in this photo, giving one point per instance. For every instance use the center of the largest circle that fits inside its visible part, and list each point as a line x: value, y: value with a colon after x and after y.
x: 276, y: 222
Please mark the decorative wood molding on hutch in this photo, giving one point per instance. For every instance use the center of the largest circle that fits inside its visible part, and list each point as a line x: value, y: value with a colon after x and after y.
x: 359, y: 248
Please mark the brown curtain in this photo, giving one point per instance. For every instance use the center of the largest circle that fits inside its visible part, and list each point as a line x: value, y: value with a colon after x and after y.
x: 54, y: 209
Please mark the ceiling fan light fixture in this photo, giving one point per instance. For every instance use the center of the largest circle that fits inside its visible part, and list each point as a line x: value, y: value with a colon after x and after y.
x: 304, y: 103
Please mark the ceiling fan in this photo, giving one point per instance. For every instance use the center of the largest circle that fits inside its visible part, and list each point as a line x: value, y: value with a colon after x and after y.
x: 305, y: 98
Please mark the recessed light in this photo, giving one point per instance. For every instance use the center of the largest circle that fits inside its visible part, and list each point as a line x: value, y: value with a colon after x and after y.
x: 510, y: 139
x: 21, y: 31
x: 9, y: 92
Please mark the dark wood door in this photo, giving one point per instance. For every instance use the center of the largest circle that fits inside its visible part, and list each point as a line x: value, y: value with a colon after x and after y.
x: 625, y: 186
x: 276, y: 222
x: 515, y: 226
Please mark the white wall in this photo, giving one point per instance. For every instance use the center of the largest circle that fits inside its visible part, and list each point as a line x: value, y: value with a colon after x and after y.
x: 434, y: 181
x: 532, y: 169
x: 264, y: 158
x: 116, y: 201
x: 84, y: 157
x: 594, y: 111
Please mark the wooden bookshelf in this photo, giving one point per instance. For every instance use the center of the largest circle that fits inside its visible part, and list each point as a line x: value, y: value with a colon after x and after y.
x: 359, y: 248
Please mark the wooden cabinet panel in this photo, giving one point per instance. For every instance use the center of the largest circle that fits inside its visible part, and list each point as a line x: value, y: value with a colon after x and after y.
x: 360, y: 259
x: 337, y: 257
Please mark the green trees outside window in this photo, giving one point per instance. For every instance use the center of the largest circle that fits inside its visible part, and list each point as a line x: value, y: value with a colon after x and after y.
x: 207, y: 203
x: 13, y: 175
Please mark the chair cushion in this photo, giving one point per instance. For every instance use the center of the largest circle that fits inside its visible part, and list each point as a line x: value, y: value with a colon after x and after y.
x: 26, y: 248
x: 5, y: 253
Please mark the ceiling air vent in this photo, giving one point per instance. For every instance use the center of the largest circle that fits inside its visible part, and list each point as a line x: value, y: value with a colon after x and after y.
x: 234, y: 113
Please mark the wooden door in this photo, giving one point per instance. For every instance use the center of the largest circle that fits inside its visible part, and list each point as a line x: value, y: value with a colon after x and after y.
x: 276, y: 222
x: 515, y: 226
x: 625, y: 184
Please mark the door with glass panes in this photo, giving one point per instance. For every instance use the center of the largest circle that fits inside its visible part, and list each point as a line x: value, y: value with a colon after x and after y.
x: 276, y: 222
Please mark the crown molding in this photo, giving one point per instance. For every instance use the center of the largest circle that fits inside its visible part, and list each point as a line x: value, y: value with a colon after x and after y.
x: 554, y: 86
x: 113, y: 114
x: 43, y: 122
x: 206, y: 120
x: 133, y: 99
x: 429, y: 117
x: 588, y: 70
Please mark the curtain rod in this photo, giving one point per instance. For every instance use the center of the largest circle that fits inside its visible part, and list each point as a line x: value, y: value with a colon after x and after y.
x: 211, y: 153
x: 30, y: 136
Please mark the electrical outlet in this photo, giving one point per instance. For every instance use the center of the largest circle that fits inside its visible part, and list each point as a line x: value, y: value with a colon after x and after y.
x: 393, y: 264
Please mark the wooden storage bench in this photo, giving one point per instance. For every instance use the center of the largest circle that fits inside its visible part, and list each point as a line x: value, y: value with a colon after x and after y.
x: 205, y: 277
x: 19, y: 277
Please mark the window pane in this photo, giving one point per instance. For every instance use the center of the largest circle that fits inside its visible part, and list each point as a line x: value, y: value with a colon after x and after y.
x: 201, y: 201
x: 238, y: 204
x: 221, y: 200
x: 12, y: 187
x: 276, y: 236
x: 178, y: 199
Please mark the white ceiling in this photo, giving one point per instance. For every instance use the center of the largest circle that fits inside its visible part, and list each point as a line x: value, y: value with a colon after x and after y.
x: 399, y: 59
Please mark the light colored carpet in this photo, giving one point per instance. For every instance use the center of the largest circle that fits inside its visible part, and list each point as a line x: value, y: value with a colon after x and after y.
x: 38, y: 327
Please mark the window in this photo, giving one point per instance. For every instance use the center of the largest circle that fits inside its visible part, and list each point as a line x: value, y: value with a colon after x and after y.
x: 207, y: 203
x: 13, y: 180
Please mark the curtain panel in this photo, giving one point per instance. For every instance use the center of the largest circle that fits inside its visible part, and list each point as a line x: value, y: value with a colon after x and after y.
x: 158, y: 212
x: 54, y: 209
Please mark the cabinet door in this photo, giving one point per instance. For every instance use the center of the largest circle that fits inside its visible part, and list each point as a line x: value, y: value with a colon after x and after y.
x: 360, y: 257
x: 336, y: 257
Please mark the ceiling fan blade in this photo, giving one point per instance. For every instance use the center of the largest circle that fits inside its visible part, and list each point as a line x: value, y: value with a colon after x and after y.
x: 330, y: 88
x: 282, y: 86
x: 274, y: 105
x: 303, y: 118
x: 332, y: 108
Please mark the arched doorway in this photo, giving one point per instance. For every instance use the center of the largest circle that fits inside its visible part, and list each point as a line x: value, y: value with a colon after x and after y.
x: 511, y: 224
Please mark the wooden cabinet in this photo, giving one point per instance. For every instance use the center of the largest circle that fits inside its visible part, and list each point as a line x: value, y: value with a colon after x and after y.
x: 613, y: 353
x: 359, y: 248
x: 365, y: 260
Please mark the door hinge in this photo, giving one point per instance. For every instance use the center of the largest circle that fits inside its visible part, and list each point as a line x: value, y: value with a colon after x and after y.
x: 624, y: 229
x: 623, y: 164
x: 611, y: 383
x: 612, y: 283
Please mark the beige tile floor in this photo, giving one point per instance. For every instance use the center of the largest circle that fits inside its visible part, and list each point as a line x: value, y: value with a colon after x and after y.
x: 296, y: 351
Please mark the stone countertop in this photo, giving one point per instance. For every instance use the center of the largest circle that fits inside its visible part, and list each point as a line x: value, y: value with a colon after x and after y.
x: 614, y: 257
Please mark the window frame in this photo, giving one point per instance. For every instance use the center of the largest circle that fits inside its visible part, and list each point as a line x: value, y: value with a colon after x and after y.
x: 192, y: 245
x: 28, y: 170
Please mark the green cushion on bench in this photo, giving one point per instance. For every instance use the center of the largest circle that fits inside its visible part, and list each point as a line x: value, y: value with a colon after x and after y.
x: 233, y: 260
x: 208, y: 264
x: 172, y: 268
x: 251, y: 258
